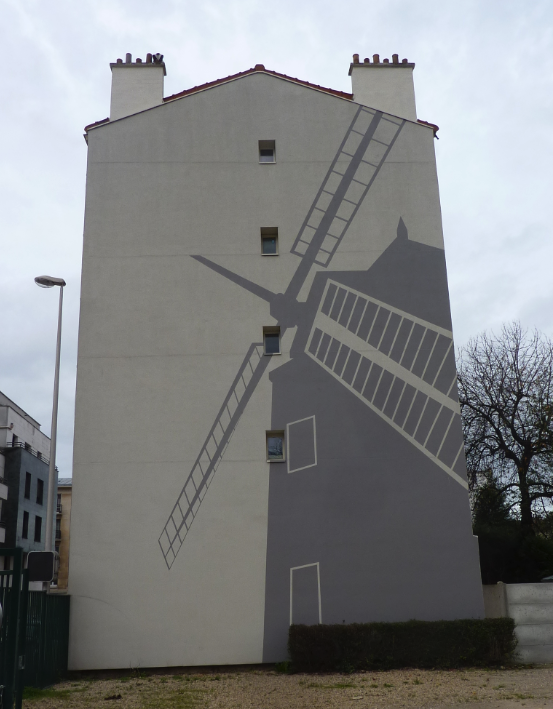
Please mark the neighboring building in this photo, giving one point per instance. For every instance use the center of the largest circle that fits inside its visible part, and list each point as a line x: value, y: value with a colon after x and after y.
x: 24, y: 460
x: 63, y: 521
x: 267, y: 425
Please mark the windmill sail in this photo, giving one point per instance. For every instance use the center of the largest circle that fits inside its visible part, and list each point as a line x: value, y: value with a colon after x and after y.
x: 365, y: 147
x: 197, y: 483
x: 395, y: 363
x: 363, y: 151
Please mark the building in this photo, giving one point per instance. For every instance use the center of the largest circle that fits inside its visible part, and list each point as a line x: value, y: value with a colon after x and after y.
x: 24, y: 461
x: 63, y: 522
x: 267, y: 426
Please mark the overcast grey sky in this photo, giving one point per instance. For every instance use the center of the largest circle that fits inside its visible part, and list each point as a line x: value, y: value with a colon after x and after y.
x: 484, y: 74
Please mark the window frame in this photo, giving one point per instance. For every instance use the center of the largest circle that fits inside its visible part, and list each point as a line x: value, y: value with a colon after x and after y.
x: 266, y: 145
x: 278, y: 433
x: 39, y: 492
x: 28, y: 485
x: 272, y: 330
x: 38, y: 528
x: 269, y: 232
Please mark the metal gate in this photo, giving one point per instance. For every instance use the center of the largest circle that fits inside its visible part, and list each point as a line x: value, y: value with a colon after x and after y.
x: 14, y: 595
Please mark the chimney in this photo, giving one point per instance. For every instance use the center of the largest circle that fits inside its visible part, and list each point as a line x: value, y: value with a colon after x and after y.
x: 385, y: 85
x: 136, y: 86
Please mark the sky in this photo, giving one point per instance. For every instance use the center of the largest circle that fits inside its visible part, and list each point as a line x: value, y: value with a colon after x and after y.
x: 484, y: 74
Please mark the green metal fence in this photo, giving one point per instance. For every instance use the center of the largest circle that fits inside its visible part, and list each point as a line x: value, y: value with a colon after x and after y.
x: 13, y: 597
x: 47, y: 639
x: 34, y: 637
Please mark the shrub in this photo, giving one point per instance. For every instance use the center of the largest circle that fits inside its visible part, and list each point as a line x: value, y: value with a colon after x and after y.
x: 416, y: 643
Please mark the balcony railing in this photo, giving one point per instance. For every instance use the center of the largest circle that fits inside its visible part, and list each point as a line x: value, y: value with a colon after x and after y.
x: 29, y: 449
x: 58, y: 508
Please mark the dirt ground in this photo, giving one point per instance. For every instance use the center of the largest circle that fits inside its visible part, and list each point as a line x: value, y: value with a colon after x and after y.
x: 266, y: 689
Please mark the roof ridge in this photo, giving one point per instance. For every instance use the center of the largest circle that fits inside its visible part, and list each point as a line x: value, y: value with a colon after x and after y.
x: 258, y: 68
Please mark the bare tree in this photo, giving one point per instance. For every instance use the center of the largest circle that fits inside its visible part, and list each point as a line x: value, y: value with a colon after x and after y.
x: 506, y: 397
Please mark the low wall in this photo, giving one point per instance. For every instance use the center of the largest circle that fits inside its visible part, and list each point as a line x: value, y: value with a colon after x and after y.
x: 530, y: 605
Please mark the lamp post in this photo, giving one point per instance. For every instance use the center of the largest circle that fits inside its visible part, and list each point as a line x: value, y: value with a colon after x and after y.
x: 50, y: 282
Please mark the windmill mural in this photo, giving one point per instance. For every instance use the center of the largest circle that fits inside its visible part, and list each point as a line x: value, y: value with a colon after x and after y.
x: 364, y: 149
x: 372, y: 367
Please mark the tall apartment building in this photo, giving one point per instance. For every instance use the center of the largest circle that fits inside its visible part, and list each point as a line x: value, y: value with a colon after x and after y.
x: 24, y: 459
x: 267, y: 424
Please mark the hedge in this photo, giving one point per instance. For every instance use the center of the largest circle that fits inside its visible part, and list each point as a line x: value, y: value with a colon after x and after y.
x: 416, y: 643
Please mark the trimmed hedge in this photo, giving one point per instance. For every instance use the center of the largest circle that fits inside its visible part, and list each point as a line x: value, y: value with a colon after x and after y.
x: 416, y: 643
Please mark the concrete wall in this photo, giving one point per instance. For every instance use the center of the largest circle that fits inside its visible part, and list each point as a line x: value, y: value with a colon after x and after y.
x: 530, y: 605
x: 179, y: 556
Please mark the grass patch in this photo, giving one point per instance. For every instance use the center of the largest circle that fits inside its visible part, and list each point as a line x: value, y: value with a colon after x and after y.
x: 31, y: 694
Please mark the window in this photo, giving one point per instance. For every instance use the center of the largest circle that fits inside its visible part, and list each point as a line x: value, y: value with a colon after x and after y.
x: 27, y: 486
x: 267, y: 151
x: 269, y: 241
x: 58, y: 529
x: 38, y: 528
x: 25, y: 530
x: 271, y: 340
x: 275, y: 446
x: 39, y: 491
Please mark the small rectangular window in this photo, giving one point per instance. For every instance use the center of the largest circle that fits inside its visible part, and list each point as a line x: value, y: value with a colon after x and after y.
x: 267, y: 151
x: 38, y: 528
x: 271, y: 340
x: 39, y: 491
x: 275, y: 446
x: 27, y: 486
x: 269, y: 241
x: 25, y: 530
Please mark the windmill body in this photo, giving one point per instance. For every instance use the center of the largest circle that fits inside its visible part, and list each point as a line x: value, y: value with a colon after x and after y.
x: 190, y: 547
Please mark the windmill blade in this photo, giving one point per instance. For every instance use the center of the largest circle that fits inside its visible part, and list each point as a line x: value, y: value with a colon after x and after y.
x: 197, y: 483
x: 399, y: 365
x: 363, y: 151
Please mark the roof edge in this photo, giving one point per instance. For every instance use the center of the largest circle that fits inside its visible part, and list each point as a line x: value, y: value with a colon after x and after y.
x: 258, y: 69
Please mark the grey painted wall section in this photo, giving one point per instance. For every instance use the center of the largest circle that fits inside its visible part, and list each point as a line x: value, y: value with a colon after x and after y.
x: 210, y: 549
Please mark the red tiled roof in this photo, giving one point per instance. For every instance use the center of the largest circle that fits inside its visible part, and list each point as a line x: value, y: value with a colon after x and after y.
x: 258, y: 68
x: 98, y: 123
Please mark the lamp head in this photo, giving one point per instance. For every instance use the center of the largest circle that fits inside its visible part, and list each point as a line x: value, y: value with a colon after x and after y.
x: 49, y: 281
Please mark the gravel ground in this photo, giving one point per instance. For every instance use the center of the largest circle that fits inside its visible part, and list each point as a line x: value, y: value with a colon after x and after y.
x: 266, y: 689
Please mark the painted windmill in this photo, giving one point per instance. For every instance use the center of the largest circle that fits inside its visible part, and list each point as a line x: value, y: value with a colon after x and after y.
x: 391, y: 360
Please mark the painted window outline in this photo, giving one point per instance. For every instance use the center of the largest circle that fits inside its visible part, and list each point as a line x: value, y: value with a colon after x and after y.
x: 305, y: 566
x: 268, y: 234
x: 311, y: 465
x: 267, y: 152
x: 275, y: 434
x: 271, y: 331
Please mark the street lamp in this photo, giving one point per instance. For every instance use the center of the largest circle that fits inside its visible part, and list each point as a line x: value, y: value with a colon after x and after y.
x: 50, y: 282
